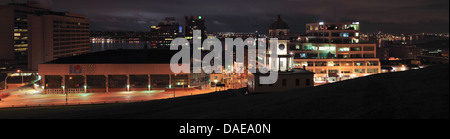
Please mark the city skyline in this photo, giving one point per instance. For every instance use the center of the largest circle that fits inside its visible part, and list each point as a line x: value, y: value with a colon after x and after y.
x: 228, y: 59
x: 399, y: 16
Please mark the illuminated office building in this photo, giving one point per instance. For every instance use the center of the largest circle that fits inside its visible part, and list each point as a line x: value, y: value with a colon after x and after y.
x: 31, y: 35
x: 333, y: 51
x: 166, y: 31
x: 192, y: 23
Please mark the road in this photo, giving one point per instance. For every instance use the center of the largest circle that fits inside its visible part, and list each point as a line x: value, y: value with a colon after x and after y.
x: 36, y: 98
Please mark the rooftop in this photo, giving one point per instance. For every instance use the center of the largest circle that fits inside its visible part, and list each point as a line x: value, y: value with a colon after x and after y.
x: 120, y: 56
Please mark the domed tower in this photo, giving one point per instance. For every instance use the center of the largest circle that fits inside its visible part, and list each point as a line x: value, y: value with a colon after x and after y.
x: 280, y: 29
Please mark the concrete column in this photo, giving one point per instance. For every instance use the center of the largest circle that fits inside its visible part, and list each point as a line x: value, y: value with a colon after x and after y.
x: 85, y: 84
x: 107, y: 83
x: 279, y: 64
x: 43, y: 83
x: 288, y: 64
x: 189, y: 80
x: 128, y: 83
x: 170, y: 81
x: 149, y: 83
x: 63, y: 83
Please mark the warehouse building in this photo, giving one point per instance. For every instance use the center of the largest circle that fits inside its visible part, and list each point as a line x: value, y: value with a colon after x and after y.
x: 116, y: 70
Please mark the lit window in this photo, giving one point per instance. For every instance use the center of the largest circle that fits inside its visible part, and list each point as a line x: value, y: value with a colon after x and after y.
x: 360, y: 71
x: 344, y: 49
x: 360, y: 63
x: 345, y: 35
x: 372, y: 70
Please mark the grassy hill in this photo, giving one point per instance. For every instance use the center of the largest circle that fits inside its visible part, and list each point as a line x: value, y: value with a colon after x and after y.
x: 418, y: 94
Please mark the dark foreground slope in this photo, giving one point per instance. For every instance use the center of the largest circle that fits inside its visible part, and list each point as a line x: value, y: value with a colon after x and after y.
x: 414, y: 94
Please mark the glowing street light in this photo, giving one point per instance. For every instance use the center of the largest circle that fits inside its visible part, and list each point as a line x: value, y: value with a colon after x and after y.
x: 6, y: 83
x: 215, y: 81
x: 67, y: 94
x: 21, y: 74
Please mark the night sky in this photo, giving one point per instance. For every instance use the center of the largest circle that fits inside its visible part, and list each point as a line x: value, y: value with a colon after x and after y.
x: 392, y: 16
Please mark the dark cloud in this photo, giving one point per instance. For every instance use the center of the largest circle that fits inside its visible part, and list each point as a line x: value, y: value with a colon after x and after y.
x: 251, y: 15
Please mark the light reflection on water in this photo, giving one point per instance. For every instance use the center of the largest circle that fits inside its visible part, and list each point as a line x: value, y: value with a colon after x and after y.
x: 97, y: 47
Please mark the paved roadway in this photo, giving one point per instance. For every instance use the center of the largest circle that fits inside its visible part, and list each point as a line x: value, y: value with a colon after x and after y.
x: 29, y: 97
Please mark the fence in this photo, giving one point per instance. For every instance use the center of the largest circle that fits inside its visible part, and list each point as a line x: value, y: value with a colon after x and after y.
x: 53, y: 91
x: 75, y: 90
x: 61, y: 91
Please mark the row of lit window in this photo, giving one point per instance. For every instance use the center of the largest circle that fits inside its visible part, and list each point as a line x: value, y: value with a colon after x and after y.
x: 20, y: 30
x: 354, y: 26
x: 333, y: 48
x: 356, y: 56
x: 21, y: 45
x: 348, y: 71
x: 21, y: 49
x: 335, y: 64
x: 20, y: 38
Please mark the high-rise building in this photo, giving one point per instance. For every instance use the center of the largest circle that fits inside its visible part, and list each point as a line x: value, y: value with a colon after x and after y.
x: 166, y: 31
x: 333, y: 51
x: 192, y: 23
x: 30, y: 36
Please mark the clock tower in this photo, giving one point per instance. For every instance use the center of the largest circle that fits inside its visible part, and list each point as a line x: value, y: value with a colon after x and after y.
x: 279, y: 29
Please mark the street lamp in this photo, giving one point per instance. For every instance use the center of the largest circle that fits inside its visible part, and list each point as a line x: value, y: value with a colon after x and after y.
x: 215, y: 81
x: 21, y: 74
x: 67, y: 94
x: 6, y: 83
